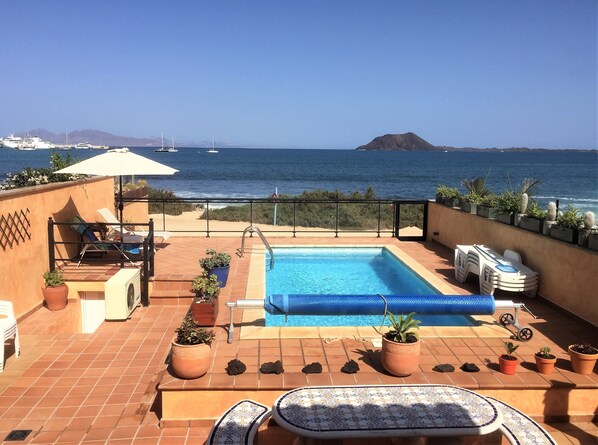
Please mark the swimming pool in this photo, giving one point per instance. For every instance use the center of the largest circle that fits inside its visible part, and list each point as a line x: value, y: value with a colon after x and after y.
x: 345, y: 270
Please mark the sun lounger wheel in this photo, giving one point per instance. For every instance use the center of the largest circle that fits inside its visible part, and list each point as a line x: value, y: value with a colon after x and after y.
x: 507, y: 319
x: 525, y: 334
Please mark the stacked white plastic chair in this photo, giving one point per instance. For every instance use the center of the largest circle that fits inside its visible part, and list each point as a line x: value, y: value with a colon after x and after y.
x: 8, y: 329
x: 495, y: 271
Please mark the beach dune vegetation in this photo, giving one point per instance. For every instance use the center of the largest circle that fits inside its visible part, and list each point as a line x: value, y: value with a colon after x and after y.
x: 318, y: 209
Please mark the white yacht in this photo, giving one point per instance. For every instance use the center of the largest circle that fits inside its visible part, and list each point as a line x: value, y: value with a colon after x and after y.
x: 213, y: 149
x: 163, y: 149
x: 39, y: 144
x: 12, y: 141
x: 83, y: 146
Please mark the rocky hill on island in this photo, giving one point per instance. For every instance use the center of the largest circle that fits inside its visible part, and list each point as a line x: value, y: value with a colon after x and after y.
x: 399, y: 142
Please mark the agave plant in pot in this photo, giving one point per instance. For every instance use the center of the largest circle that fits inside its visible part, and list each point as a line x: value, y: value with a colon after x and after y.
x: 545, y: 361
x: 56, y: 291
x: 191, y: 352
x: 204, y: 308
x: 217, y: 263
x: 583, y: 357
x: 400, y: 346
x: 508, y: 362
x: 476, y: 191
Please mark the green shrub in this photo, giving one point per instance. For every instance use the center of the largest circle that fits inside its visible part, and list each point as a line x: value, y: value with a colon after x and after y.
x: 489, y: 200
x: 29, y: 177
x: 205, y: 287
x: 175, y: 206
x: 190, y: 333
x: 215, y: 259
x: 445, y: 192
x: 534, y: 211
x: 508, y: 202
x: 570, y: 219
x: 53, y: 278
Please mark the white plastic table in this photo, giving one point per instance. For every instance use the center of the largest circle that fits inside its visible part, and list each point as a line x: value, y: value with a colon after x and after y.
x: 338, y: 412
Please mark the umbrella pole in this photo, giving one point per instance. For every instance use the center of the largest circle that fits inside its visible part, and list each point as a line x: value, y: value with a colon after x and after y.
x: 120, y: 198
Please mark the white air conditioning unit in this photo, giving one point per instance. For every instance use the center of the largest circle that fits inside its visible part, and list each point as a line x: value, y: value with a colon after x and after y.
x: 122, y: 294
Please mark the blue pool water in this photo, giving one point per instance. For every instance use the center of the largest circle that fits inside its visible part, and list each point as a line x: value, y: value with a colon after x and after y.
x: 341, y: 271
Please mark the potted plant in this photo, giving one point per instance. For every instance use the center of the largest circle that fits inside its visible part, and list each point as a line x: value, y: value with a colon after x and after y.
x: 401, y: 347
x: 217, y: 263
x: 449, y: 196
x: 477, y: 190
x: 508, y: 362
x: 487, y: 207
x: 524, y: 194
x: 567, y: 225
x: 507, y: 204
x: 56, y: 291
x: 204, y: 308
x: 545, y: 361
x: 534, y: 217
x: 583, y: 357
x: 190, y: 354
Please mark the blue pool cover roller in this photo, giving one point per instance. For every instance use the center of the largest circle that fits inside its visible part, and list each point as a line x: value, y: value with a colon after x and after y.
x: 308, y: 304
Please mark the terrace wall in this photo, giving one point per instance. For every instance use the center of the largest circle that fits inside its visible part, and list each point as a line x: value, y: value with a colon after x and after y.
x: 567, y: 272
x: 24, y: 217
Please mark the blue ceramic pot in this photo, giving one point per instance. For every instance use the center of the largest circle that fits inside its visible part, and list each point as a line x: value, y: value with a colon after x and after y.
x: 221, y: 274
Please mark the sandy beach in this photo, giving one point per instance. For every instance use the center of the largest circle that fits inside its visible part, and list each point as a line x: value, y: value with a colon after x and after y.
x: 190, y: 224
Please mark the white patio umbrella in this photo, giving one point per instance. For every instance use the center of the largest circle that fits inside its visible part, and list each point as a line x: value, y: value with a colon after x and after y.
x: 118, y: 162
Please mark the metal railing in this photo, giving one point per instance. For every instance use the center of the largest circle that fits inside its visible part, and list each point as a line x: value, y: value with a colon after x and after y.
x: 146, y: 248
x: 251, y: 230
x: 382, y: 216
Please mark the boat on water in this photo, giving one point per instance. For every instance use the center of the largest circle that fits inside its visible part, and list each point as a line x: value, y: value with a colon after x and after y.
x: 38, y: 143
x: 213, y: 149
x: 83, y: 146
x: 12, y: 141
x: 163, y: 149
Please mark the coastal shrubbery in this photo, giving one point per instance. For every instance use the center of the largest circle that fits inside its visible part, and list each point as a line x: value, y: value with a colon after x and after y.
x: 37, y: 176
x: 321, y: 211
x: 169, y: 203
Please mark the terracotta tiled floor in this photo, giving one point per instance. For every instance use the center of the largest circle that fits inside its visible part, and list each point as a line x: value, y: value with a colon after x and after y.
x: 101, y: 387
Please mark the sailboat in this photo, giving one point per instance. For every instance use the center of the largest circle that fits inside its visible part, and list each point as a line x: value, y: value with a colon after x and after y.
x: 164, y: 149
x: 212, y: 150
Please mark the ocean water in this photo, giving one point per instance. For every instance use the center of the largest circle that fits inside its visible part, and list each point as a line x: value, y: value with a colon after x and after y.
x: 569, y: 176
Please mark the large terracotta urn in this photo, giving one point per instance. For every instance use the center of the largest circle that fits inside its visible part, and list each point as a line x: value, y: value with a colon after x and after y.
x: 190, y: 361
x: 400, y: 359
x: 56, y: 297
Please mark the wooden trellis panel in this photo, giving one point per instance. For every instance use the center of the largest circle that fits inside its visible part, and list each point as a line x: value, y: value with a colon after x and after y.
x: 14, y: 228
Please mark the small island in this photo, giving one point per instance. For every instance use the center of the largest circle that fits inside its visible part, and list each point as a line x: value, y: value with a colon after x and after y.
x: 399, y: 142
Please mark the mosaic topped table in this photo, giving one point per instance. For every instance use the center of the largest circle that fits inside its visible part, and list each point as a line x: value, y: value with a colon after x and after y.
x: 336, y: 412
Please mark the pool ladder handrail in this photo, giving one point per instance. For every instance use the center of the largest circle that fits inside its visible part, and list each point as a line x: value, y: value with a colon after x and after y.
x: 252, y: 229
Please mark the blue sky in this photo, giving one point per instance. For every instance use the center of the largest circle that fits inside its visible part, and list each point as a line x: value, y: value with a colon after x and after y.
x: 312, y: 74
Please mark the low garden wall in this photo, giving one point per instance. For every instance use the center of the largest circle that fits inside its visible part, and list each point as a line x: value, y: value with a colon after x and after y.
x: 568, y: 273
x: 24, y: 217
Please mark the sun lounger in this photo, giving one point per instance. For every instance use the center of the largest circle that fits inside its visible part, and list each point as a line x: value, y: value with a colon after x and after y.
x: 495, y: 271
x: 8, y: 329
x: 129, y: 236
x: 91, y: 243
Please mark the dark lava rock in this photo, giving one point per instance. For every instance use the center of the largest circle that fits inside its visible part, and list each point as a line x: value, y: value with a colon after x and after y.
x: 313, y: 368
x: 470, y: 367
x: 444, y: 368
x: 351, y: 367
x: 272, y: 367
x: 235, y: 367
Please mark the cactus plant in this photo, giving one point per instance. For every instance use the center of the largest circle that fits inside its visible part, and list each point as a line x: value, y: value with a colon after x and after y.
x: 523, y: 203
x: 589, y: 220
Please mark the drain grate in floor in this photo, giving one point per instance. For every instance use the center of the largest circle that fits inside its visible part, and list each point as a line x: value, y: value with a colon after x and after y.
x: 16, y: 435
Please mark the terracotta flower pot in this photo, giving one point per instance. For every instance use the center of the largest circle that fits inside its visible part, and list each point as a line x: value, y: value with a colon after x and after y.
x: 400, y: 359
x: 582, y: 363
x: 545, y: 365
x: 190, y: 361
x: 507, y: 366
x: 56, y: 297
